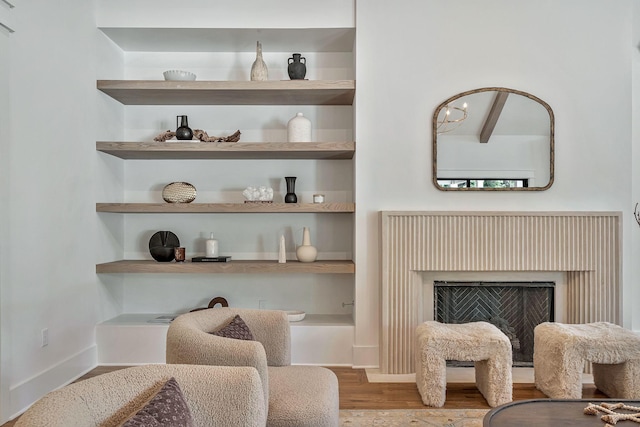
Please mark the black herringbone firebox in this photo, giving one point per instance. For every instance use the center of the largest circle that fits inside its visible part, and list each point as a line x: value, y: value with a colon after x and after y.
x: 514, y: 307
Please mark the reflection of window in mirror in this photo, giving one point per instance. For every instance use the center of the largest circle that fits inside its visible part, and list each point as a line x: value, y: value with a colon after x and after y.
x: 483, y: 183
x: 493, y: 139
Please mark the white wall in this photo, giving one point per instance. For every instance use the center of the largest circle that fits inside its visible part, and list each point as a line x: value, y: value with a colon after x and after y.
x: 635, y: 161
x: 109, y: 178
x: 573, y: 54
x: 224, y: 14
x: 51, y: 236
x: 5, y: 148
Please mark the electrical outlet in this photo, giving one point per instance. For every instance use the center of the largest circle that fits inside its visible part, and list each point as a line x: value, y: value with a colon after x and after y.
x: 45, y: 337
x: 262, y: 304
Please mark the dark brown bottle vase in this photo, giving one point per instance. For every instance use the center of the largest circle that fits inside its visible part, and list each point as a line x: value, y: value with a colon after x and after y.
x: 290, y: 197
x: 297, y: 69
x: 183, y: 132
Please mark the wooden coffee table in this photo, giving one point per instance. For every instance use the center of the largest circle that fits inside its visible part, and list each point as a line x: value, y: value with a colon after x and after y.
x: 548, y: 413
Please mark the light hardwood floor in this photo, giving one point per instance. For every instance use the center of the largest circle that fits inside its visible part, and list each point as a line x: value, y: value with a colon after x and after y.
x: 356, y: 392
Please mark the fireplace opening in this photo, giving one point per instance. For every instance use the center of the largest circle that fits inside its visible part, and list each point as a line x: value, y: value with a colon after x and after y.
x: 516, y: 308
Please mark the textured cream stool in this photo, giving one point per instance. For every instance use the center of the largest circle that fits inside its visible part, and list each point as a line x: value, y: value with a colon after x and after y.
x: 560, y: 352
x: 480, y: 342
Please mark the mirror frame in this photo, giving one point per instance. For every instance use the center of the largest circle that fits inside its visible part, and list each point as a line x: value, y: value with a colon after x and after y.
x: 495, y: 89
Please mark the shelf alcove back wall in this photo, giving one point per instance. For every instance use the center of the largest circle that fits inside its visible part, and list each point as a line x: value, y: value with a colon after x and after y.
x: 166, y: 293
x: 222, y: 181
x: 256, y: 123
x: 243, y: 236
x: 229, y: 66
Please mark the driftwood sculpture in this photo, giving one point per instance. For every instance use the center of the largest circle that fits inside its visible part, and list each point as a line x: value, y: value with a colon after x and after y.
x: 611, y: 417
x: 200, y: 135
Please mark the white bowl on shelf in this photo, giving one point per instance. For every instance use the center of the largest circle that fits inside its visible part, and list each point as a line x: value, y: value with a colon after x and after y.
x: 178, y: 75
x: 295, y: 315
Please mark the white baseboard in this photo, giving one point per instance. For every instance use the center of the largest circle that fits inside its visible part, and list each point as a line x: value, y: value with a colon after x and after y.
x: 65, y: 372
x: 365, y: 356
x: 375, y: 376
x: 521, y: 375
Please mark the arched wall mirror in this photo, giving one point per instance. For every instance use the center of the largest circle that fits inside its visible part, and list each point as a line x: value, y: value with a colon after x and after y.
x: 493, y: 139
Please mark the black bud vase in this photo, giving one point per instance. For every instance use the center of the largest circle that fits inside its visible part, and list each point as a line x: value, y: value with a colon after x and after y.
x: 291, y: 197
x: 297, y: 70
x: 183, y: 132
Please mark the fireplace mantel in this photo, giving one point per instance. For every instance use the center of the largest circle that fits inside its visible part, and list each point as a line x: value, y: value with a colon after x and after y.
x: 584, y: 245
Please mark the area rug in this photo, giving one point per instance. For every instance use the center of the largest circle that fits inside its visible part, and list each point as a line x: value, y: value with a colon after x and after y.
x: 412, y: 417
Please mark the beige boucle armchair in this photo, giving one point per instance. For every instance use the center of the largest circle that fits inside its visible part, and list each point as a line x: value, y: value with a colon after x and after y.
x: 297, y: 396
x: 216, y: 395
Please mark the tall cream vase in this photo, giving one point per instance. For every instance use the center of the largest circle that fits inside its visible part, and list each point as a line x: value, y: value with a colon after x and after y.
x: 259, y: 69
x: 306, y: 252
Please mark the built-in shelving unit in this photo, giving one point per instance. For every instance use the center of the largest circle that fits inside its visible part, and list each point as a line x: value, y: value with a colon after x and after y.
x: 139, y: 92
x: 130, y: 337
x: 270, y: 92
x: 228, y: 150
x: 240, y: 266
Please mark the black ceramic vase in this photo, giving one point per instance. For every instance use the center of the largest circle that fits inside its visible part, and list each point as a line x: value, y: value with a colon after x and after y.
x: 162, y: 244
x: 183, y: 132
x: 290, y: 197
x: 297, y: 69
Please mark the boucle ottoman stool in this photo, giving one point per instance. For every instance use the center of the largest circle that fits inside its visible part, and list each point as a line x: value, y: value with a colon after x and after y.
x: 560, y: 351
x: 480, y: 342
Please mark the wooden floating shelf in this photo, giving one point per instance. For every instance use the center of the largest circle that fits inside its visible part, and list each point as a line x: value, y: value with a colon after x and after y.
x: 270, y: 92
x: 227, y: 150
x: 226, y: 207
x: 241, y: 266
x: 151, y: 320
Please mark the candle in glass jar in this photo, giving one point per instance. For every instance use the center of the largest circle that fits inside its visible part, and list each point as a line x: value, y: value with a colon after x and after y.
x: 318, y: 198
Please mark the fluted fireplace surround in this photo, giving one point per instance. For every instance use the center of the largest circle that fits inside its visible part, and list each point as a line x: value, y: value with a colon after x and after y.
x: 585, y: 246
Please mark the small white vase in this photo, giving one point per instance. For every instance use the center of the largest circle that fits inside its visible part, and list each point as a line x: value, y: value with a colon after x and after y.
x: 282, y: 253
x: 299, y: 129
x: 306, y: 252
x: 211, y: 247
x: 259, y: 69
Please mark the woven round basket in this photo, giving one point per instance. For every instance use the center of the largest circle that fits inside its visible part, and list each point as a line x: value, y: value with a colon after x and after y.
x: 179, y: 192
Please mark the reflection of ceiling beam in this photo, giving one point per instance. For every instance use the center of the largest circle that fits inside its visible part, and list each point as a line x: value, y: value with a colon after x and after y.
x: 492, y: 118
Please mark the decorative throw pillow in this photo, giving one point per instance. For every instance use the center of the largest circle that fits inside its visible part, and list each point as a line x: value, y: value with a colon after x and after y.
x: 167, y: 408
x: 237, y: 329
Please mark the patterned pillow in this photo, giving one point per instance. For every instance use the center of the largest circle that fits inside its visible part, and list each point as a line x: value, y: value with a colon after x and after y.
x: 167, y: 408
x: 237, y: 329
